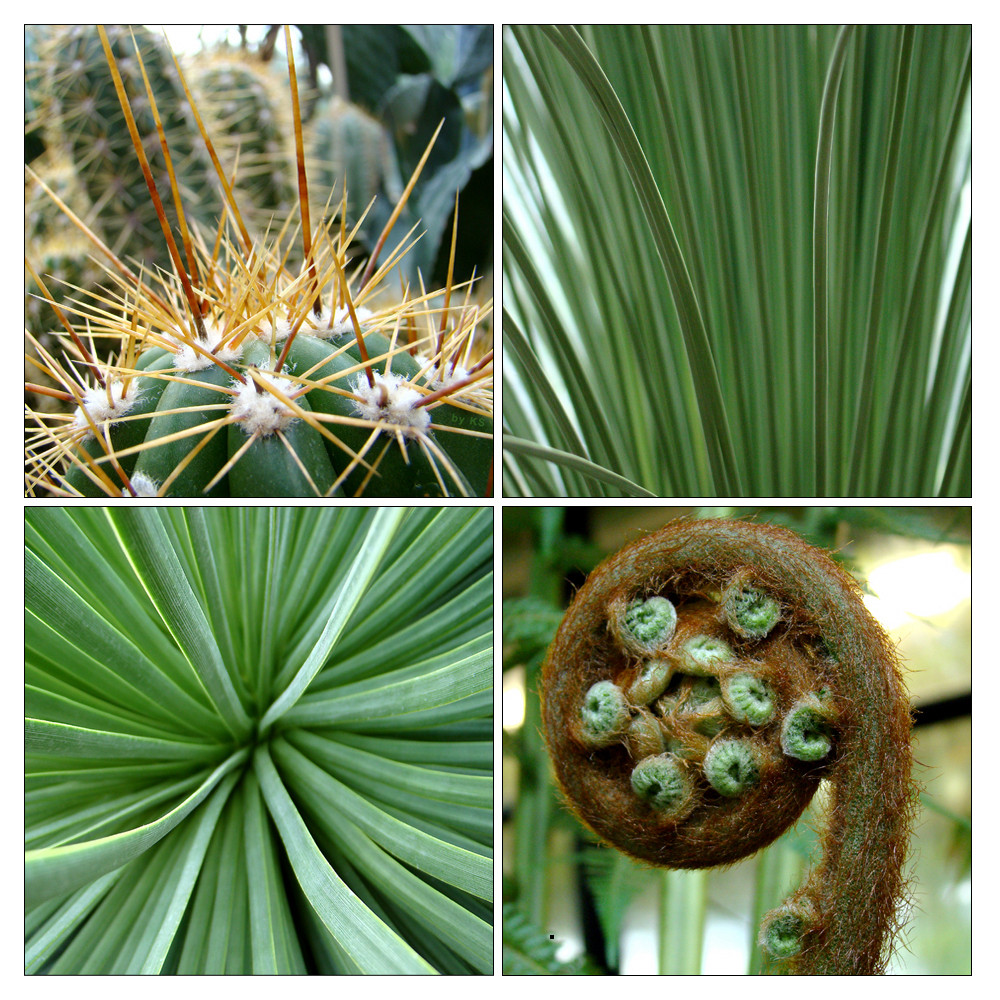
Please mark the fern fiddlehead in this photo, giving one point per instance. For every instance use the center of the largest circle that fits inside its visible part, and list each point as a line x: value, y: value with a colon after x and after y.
x: 698, y: 735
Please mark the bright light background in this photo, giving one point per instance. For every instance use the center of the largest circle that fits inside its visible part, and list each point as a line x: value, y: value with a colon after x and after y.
x: 924, y: 585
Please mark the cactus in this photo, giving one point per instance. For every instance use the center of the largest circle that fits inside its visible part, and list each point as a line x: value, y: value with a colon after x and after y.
x: 239, y: 374
x: 87, y: 121
x: 350, y: 149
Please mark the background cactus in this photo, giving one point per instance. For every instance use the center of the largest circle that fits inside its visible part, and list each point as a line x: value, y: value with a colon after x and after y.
x: 411, y: 78
x: 77, y: 97
x: 280, y: 368
x: 245, y: 106
x: 352, y: 151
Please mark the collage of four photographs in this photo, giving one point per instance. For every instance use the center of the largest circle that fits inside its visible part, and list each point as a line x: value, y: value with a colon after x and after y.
x: 726, y: 737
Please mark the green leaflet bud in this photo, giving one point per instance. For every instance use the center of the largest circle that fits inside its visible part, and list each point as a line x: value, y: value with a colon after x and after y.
x: 643, y: 626
x: 652, y: 681
x: 604, y: 715
x: 750, y: 612
x: 645, y: 737
x: 702, y: 654
x: 710, y: 725
x: 749, y: 698
x: 662, y: 783
x: 702, y: 691
x: 783, y: 929
x: 805, y: 733
x: 731, y: 767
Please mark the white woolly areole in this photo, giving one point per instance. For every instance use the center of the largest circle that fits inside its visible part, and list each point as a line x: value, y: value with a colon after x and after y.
x: 327, y: 325
x: 257, y: 410
x: 337, y: 325
x: 392, y: 401
x: 142, y: 486
x: 189, y: 360
x: 279, y: 330
x: 95, y: 402
x: 452, y: 374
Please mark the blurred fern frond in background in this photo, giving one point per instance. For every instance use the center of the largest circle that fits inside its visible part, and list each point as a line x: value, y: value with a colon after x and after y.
x: 737, y: 260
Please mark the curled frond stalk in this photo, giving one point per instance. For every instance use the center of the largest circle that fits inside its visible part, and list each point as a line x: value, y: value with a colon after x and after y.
x: 703, y: 682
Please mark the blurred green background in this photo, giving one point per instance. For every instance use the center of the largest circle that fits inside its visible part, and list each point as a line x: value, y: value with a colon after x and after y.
x: 574, y: 907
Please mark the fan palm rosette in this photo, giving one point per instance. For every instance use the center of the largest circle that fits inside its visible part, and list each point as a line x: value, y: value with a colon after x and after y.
x: 258, y: 740
x: 240, y: 374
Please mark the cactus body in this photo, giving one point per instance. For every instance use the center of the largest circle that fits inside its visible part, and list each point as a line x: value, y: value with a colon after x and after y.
x: 90, y: 125
x: 238, y: 99
x: 295, y: 459
x: 348, y: 149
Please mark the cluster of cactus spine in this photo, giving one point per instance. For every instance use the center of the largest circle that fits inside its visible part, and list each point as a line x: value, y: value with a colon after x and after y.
x: 241, y: 375
x: 702, y: 684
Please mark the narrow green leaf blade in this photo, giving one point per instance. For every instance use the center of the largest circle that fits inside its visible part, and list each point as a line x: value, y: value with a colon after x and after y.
x: 339, y: 608
x: 59, y: 740
x: 51, y: 872
x: 147, y: 545
x: 371, y: 943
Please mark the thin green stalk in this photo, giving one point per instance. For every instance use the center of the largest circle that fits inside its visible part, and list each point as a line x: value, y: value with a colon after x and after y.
x: 683, y: 898
x: 520, y: 446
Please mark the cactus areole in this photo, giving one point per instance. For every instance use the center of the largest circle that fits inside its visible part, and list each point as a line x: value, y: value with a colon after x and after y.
x: 260, y: 365
x: 695, y: 736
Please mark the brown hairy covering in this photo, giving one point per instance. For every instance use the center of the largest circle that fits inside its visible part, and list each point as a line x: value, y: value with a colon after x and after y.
x: 825, y: 646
